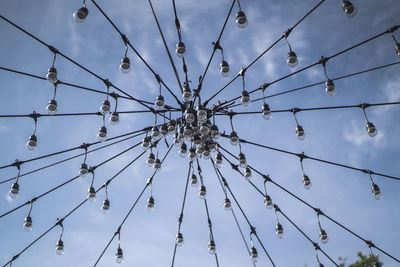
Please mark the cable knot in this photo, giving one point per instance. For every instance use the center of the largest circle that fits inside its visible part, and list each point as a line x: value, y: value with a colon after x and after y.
x: 316, y: 246
x: 17, y: 164
x: 267, y: 178
x: 370, y: 244
x: 60, y: 222
x: 114, y: 95
x: 392, y: 29
x: 302, y: 156
x: 158, y: 78
x: 264, y: 86
x: 295, y: 110
x: 92, y: 169
x: 15, y: 257
x: 367, y: 171
x: 84, y: 146
x: 209, y: 222
x: 235, y: 167
x: 323, y: 61
x: 365, y: 105
x: 34, y: 115
x: 32, y: 200
x: 252, y: 230
x: 53, y: 49
x: 318, y: 211
x: 125, y: 39
x: 287, y: 33
x: 242, y: 72
x: 217, y: 45
x: 277, y: 209
x: 118, y: 231
x: 107, y: 83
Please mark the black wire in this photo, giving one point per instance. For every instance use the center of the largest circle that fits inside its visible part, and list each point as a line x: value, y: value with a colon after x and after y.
x: 131, y: 209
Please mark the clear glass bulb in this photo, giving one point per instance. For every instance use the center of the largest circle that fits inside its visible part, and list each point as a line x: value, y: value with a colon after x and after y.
x: 114, y: 118
x: 91, y: 195
x: 306, y: 182
x: 253, y: 255
x: 84, y: 170
x: 376, y: 191
x: 159, y: 104
x: 268, y: 202
x: 241, y: 20
x: 105, y: 207
x: 150, y: 160
x: 194, y: 180
x: 157, y: 165
x: 224, y: 69
x: 266, y: 111
x: 292, y: 60
x: 242, y: 161
x: 397, y: 48
x: 14, y: 191
x: 330, y: 89
x: 32, y: 142
x: 155, y: 133
x: 28, y: 224
x: 279, y: 231
x: 105, y: 107
x: 245, y: 99
x: 145, y: 143
x: 202, y: 192
x: 179, y: 239
x: 349, y: 9
x: 300, y: 133
x: 60, y: 247
x: 51, y: 107
x: 234, y: 139
x: 180, y: 49
x: 323, y: 236
x: 371, y: 129
x: 52, y: 75
x: 150, y: 204
x: 247, y: 174
x: 218, y: 161
x: 119, y: 256
x: 227, y: 204
x: 125, y: 66
x: 80, y: 15
x: 102, y: 134
x: 211, y: 247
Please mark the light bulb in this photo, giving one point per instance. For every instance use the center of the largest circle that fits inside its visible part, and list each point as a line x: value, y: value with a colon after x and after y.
x: 292, y: 60
x: 266, y: 111
x: 189, y: 115
x: 348, y: 8
x: 218, y: 160
x: 371, y: 129
x: 28, y: 223
x: 330, y: 89
x: 32, y: 142
x: 150, y: 159
x: 186, y: 94
x: 83, y: 170
x: 397, y: 48
x: 80, y: 15
x: 376, y: 191
x: 188, y: 132
x: 241, y: 20
x: 51, y: 107
x: 192, y: 153
x: 179, y: 239
x: 306, y: 182
x: 279, y: 231
x: 253, y: 255
x: 194, y: 180
x: 242, y: 160
x: 171, y: 127
x: 145, y: 143
x: 234, y: 139
x: 176, y: 141
x: 14, y: 191
x: 157, y: 165
x: 60, y: 247
x: 155, y: 133
x: 196, y: 139
x: 164, y: 130
x: 105, y: 107
x: 105, y: 207
x: 227, y: 204
x: 206, y: 153
x: 300, y: 133
x: 247, y: 174
x: 201, y: 113
x: 224, y: 68
x: 202, y: 192
x: 150, y: 204
x: 180, y: 49
x: 52, y: 75
x: 245, y: 100
x: 119, y: 255
x: 114, y: 118
x: 159, y: 104
x: 211, y: 247
x: 323, y: 236
x: 204, y: 130
x: 214, y: 132
x: 183, y: 150
x: 125, y: 66
x: 102, y: 134
x: 268, y: 202
x: 91, y: 195
x: 212, y: 146
x: 200, y: 149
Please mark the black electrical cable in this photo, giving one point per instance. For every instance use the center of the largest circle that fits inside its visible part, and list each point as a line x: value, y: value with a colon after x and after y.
x: 117, y: 232
x: 60, y: 221
x: 304, y: 156
x: 317, y: 210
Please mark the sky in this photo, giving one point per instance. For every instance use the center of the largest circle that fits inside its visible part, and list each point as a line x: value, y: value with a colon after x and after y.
x: 147, y: 239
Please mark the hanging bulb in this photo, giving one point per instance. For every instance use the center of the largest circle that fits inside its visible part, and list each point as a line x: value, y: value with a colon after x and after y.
x: 52, y: 75
x: 224, y: 68
x: 214, y: 132
x: 171, y: 127
x: 32, y: 142
x: 292, y: 60
x: 150, y: 204
x: 241, y: 20
x: 196, y: 139
x: 279, y: 231
x: 247, y: 174
x: 234, y: 138
x: 193, y: 180
x: 189, y: 115
x: 157, y: 165
x: 14, y: 191
x: 91, y: 195
x: 192, y: 153
x: 150, y: 160
x: 206, y: 153
x: 212, y: 146
x: 245, y: 100
x: 119, y: 255
x: 376, y: 191
x: 323, y: 236
x: 60, y: 247
x: 164, y: 130
x: 268, y: 202
x: 84, y: 170
x: 105, y: 107
x: 159, y: 104
x: 145, y: 143
x: 253, y: 255
x: 105, y: 207
x: 201, y: 113
x: 200, y: 149
x: 348, y: 8
x: 176, y: 141
x: 181, y: 136
x: 183, y: 150
x: 180, y: 49
x: 218, y: 160
x: 186, y: 94
x: 80, y: 15
x: 202, y: 192
x: 227, y: 204
x: 179, y: 239
x: 266, y: 111
x: 204, y: 130
x: 300, y: 133
x: 188, y: 132
x: 330, y: 89
x: 397, y: 48
x: 51, y: 107
x: 211, y: 247
x: 155, y: 133
x: 102, y: 134
x: 28, y: 223
x: 306, y: 182
x: 371, y: 130
x: 114, y: 118
x: 125, y: 66
x: 242, y: 161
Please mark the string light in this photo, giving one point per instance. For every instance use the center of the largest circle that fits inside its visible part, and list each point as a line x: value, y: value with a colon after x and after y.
x: 245, y: 99
x: 179, y: 239
x: 396, y: 45
x: 32, y: 143
x: 60, y: 243
x: 91, y: 195
x: 105, y: 207
x: 102, y: 134
x: 300, y: 133
x: 292, y: 60
x: 247, y: 174
x: 81, y: 14
x: 376, y: 191
x: 267, y: 198
x: 330, y: 89
x: 159, y: 103
x: 150, y: 159
x: 253, y: 251
x: 119, y: 255
x: 28, y: 220
x: 14, y: 191
x: 187, y: 93
x: 212, y: 249
x: 183, y: 150
x: 180, y: 49
x: 51, y: 75
x: 349, y: 9
x: 202, y: 192
x: 279, y: 228
x: 51, y: 107
x: 194, y: 180
x: 227, y: 204
x: 306, y: 180
x: 125, y: 66
x: 370, y: 127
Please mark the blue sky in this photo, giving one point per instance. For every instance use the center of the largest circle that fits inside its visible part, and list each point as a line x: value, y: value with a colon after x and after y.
x: 148, y: 238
